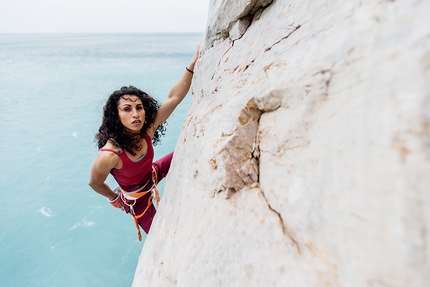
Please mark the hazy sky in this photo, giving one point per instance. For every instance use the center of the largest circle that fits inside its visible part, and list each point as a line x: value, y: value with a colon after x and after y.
x: 63, y: 16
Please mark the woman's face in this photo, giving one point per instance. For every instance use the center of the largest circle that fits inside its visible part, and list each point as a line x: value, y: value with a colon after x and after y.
x: 131, y: 113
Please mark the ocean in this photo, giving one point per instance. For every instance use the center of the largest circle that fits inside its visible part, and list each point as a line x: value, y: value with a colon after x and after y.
x: 54, y: 229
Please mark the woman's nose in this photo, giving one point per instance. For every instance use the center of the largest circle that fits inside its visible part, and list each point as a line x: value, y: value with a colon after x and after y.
x: 135, y: 113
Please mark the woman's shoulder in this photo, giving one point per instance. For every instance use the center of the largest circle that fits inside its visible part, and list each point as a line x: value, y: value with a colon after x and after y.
x: 111, y: 146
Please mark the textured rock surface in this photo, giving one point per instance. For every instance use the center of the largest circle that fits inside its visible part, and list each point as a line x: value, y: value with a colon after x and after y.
x: 305, y: 158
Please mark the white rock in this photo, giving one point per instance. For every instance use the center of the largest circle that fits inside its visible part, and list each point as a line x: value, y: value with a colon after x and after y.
x: 305, y: 157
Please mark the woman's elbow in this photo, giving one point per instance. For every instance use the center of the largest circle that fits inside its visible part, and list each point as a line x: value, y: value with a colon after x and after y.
x: 94, y: 185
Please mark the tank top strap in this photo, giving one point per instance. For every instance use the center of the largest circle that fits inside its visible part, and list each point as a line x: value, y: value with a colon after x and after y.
x: 111, y: 150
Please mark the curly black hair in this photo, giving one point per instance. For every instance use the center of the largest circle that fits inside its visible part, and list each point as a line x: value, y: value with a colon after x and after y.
x: 112, y: 128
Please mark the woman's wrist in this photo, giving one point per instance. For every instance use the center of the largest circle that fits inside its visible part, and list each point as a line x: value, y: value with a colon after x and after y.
x: 190, y: 66
x: 114, y: 195
x: 112, y: 199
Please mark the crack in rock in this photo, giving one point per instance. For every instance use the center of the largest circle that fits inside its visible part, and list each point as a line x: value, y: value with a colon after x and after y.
x: 235, y: 25
x: 291, y: 29
x: 237, y: 163
x: 239, y: 28
x: 285, y: 230
x: 220, y: 60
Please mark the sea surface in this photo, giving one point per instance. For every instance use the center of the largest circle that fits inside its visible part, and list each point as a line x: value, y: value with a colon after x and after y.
x: 54, y: 229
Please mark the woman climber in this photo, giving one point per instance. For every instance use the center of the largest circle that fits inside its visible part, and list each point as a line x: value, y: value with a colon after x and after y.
x: 132, y: 123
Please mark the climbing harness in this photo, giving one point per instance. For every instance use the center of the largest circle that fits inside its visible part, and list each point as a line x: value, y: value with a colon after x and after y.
x: 126, y: 197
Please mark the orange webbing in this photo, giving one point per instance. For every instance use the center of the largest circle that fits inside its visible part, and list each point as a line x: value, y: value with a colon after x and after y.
x: 146, y: 209
x: 155, y: 189
x: 136, y: 195
x: 157, y: 198
x: 136, y: 217
x: 141, y: 194
x: 139, y: 235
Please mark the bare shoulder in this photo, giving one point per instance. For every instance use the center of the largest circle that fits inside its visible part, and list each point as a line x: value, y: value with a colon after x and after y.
x: 110, y: 145
x: 106, y: 159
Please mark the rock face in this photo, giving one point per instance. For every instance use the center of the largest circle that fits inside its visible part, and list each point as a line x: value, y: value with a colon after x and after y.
x: 305, y: 157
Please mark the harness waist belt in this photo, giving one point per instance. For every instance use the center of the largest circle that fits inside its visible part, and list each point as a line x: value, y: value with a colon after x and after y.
x: 136, y: 194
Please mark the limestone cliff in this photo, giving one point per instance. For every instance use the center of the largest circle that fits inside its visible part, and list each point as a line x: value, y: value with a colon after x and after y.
x: 305, y: 157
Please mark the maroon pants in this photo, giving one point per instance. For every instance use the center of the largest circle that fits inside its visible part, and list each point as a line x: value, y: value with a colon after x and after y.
x: 161, y: 168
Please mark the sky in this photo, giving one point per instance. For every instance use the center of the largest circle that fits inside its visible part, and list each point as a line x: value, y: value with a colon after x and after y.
x: 103, y: 16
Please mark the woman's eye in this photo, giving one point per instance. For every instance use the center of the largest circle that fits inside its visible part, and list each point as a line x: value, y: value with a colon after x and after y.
x: 127, y: 109
x: 139, y: 108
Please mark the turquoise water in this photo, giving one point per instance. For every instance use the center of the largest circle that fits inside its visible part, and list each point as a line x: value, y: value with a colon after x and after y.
x: 54, y: 230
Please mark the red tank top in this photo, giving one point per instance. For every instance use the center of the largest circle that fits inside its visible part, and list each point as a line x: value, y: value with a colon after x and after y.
x: 134, y: 175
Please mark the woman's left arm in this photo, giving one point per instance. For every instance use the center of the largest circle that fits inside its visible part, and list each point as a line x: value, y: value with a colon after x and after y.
x: 177, y: 93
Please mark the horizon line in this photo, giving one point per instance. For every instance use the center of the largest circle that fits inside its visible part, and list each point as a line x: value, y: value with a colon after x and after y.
x: 3, y: 33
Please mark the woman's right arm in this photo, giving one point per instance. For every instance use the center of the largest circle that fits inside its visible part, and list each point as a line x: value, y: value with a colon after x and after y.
x: 100, y: 170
